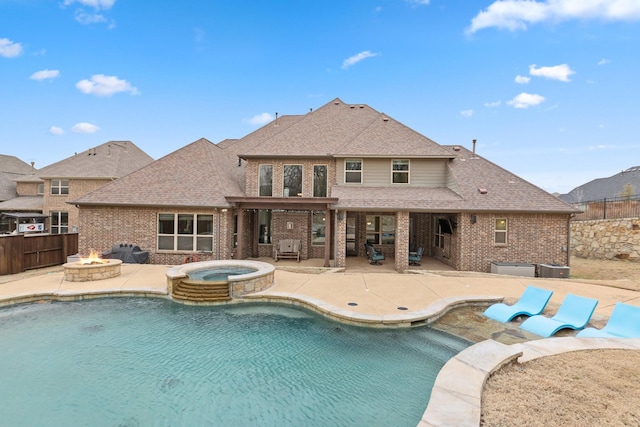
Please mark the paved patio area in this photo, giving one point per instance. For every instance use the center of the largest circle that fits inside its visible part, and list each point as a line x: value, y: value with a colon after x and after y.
x: 378, y: 296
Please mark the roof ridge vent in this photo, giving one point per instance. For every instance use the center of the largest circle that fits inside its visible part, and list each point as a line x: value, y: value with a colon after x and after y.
x: 482, y: 190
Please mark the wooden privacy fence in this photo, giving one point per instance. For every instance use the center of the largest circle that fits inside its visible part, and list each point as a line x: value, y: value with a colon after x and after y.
x: 25, y: 252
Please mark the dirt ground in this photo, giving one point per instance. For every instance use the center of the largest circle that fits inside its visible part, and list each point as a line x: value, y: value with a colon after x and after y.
x: 583, y: 388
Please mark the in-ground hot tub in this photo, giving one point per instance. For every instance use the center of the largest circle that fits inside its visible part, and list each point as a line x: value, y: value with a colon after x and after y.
x: 221, y: 280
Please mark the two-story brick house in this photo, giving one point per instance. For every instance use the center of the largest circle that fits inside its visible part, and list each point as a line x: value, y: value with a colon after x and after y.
x: 50, y: 189
x: 334, y: 178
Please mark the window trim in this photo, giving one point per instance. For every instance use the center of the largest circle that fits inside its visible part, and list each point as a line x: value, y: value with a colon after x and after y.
x: 260, y: 179
x: 501, y: 231
x: 196, y: 235
x: 60, y: 227
x: 403, y: 172
x: 353, y: 171
x: 62, y: 188
x: 301, y: 193
x: 326, y: 179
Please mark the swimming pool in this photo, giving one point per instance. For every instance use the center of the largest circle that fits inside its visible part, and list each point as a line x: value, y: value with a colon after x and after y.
x: 131, y: 362
x: 219, y: 273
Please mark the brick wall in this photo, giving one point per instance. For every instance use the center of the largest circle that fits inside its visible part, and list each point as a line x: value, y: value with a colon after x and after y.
x: 58, y: 202
x: 27, y: 188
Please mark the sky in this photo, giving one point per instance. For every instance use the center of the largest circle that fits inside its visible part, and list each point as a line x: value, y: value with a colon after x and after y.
x: 548, y: 88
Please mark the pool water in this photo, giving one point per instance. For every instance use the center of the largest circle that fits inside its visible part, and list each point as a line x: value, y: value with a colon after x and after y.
x: 219, y: 273
x: 139, y: 362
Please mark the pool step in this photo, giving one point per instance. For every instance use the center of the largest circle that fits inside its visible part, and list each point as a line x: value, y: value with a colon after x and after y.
x: 202, y: 292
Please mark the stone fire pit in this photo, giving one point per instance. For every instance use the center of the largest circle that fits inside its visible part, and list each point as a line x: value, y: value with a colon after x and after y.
x: 104, y: 269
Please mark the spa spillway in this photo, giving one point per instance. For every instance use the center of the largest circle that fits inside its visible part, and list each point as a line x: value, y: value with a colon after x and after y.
x: 218, y: 281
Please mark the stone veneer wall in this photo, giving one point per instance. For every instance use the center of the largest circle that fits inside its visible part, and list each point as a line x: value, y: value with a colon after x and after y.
x: 606, y: 239
x: 245, y: 287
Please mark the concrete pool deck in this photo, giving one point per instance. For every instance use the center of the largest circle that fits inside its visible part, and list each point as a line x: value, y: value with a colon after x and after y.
x: 374, y: 298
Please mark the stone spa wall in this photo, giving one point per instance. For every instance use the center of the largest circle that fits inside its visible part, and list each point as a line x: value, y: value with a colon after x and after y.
x: 606, y: 239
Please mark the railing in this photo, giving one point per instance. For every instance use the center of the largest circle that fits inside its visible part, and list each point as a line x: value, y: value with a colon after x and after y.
x: 610, y: 208
x: 20, y: 253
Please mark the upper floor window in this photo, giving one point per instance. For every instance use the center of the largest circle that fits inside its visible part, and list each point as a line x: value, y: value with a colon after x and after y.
x: 353, y: 170
x: 320, y: 181
x: 40, y: 189
x: 500, y: 232
x: 292, y: 180
x: 59, y: 186
x: 400, y: 171
x: 185, y: 232
x: 59, y: 222
x: 266, y: 180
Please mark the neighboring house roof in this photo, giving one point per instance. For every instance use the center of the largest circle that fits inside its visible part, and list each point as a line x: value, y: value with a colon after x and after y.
x: 343, y: 130
x: 625, y: 183
x: 22, y: 203
x: 11, y: 170
x: 112, y: 159
x: 199, y: 174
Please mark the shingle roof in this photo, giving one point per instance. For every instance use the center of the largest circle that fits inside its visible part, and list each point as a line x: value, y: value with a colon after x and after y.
x: 112, y: 159
x: 601, y: 188
x: 504, y: 190
x: 23, y: 203
x: 199, y: 174
x: 394, y: 198
x: 11, y: 170
x: 339, y: 129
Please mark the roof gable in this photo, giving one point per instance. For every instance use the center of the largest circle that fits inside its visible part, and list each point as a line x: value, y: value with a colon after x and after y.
x: 199, y: 174
x: 112, y: 159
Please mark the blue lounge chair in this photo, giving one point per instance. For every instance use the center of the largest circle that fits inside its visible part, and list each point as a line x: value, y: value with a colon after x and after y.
x: 374, y: 256
x: 531, y: 303
x: 574, y: 313
x: 414, y: 259
x: 623, y: 323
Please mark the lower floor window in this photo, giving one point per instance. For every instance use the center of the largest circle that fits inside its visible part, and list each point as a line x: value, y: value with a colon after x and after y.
x: 264, y: 223
x: 318, y: 221
x: 59, y: 222
x: 185, y: 232
x: 381, y: 229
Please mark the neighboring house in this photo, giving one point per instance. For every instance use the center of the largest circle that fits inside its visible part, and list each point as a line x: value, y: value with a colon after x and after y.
x: 49, y: 190
x: 12, y: 203
x: 620, y: 185
x: 334, y: 179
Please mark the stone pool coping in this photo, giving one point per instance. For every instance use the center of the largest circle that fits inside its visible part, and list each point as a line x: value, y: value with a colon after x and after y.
x: 457, y: 392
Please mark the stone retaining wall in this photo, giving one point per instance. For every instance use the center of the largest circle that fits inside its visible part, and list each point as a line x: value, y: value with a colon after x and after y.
x: 606, y: 239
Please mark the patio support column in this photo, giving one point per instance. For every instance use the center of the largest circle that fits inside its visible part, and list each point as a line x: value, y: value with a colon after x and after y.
x: 240, y: 249
x: 340, y: 239
x: 402, y: 241
x: 327, y: 236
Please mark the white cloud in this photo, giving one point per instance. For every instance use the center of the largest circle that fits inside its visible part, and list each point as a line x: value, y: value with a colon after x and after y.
x: 89, y: 18
x: 84, y: 127
x: 517, y: 14
x: 523, y: 80
x: 102, y: 85
x: 357, y: 58
x: 96, y: 4
x: 418, y: 2
x: 466, y: 113
x: 9, y: 49
x: 45, y: 74
x: 603, y: 61
x: 492, y: 104
x: 556, y: 72
x: 526, y: 100
x: 259, y: 119
x: 55, y: 130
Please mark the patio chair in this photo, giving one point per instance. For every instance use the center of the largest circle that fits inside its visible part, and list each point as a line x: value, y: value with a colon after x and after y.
x: 623, y: 323
x: 374, y: 256
x: 415, y: 258
x: 574, y: 313
x: 531, y: 303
